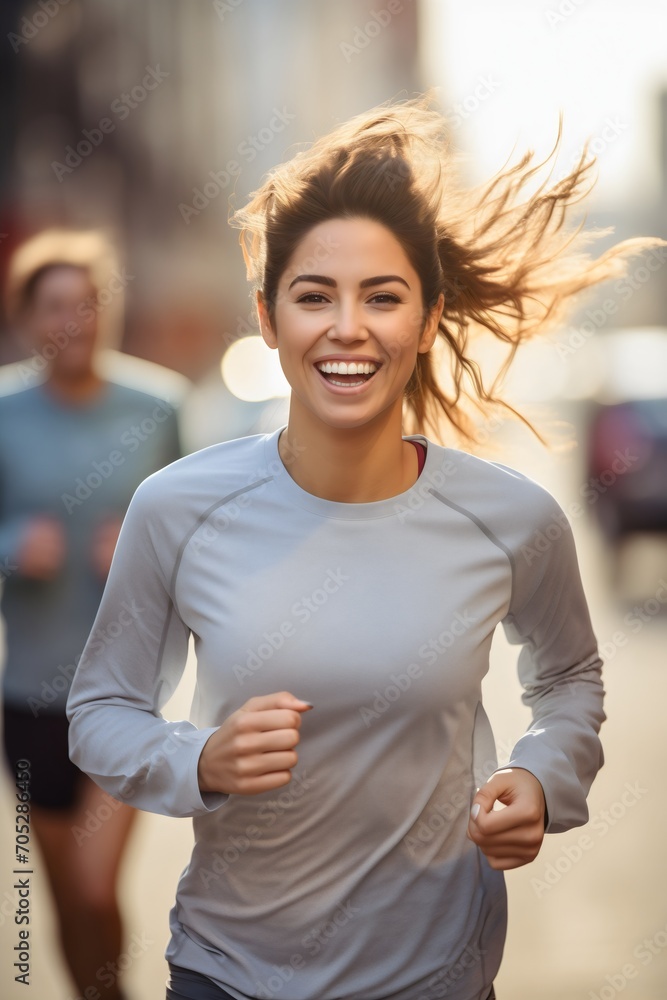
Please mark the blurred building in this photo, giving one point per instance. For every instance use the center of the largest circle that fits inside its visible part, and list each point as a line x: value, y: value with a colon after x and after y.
x: 147, y: 118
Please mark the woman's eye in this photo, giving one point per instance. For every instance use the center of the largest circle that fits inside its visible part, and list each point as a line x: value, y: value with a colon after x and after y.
x: 385, y: 297
x: 312, y: 297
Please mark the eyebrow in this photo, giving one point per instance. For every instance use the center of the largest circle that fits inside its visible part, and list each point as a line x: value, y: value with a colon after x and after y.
x: 321, y: 279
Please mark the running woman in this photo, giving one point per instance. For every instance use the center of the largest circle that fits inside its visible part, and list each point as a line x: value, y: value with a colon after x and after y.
x: 75, y: 443
x: 342, y: 581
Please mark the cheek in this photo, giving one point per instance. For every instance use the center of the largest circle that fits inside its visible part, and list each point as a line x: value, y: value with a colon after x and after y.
x: 296, y: 332
x: 402, y: 339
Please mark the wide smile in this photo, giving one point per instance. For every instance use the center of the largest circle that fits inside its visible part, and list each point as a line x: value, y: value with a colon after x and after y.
x: 346, y: 382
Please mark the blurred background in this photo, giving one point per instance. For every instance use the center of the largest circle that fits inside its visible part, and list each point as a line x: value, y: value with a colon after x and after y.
x: 154, y: 119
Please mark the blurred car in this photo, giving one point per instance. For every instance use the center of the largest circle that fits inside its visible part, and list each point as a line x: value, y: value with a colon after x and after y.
x: 627, y: 436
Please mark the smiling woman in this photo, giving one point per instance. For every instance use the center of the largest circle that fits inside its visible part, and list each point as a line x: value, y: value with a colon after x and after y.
x: 505, y: 266
x: 364, y: 313
x: 379, y: 873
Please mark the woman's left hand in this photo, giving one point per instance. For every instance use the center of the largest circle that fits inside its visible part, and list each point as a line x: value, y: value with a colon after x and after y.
x: 512, y: 836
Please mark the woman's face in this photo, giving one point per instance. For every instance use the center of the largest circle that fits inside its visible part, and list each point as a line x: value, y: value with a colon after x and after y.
x: 60, y: 321
x: 349, y: 294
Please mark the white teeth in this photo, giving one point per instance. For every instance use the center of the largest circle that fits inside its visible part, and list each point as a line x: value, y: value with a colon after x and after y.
x: 347, y: 368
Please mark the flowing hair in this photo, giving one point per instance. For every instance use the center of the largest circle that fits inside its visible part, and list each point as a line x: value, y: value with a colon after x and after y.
x: 506, y: 264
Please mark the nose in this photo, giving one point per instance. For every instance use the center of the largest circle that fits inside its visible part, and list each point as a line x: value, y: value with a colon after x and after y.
x: 348, y: 326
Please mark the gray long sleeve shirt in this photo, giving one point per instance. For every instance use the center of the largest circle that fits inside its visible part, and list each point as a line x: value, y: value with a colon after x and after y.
x: 356, y: 881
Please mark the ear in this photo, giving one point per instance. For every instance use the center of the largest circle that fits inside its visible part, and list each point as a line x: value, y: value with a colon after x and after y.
x: 430, y: 330
x: 265, y: 326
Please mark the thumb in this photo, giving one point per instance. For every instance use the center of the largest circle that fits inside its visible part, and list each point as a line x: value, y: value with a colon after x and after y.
x: 487, y: 795
x: 298, y: 704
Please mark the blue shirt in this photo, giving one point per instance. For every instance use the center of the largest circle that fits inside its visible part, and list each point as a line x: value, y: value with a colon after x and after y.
x: 79, y: 463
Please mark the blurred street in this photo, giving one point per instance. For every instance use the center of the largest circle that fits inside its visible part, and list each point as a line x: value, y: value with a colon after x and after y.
x: 588, y: 916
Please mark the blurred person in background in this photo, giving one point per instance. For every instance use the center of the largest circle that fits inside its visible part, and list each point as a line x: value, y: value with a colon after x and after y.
x: 343, y: 581
x: 74, y: 444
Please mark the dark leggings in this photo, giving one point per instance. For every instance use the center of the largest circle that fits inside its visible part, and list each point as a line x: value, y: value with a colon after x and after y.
x: 187, y: 985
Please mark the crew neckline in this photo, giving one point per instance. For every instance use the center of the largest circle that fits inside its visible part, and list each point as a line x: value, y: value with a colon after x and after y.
x: 338, y: 508
x: 86, y: 406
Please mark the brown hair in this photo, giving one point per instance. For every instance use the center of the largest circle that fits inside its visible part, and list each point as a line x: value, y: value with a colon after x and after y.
x: 90, y: 249
x: 505, y: 266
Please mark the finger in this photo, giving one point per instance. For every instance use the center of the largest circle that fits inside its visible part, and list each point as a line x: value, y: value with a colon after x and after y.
x: 266, y: 763
x: 498, y: 821
x: 501, y: 824
x: 506, y: 864
x: 279, y: 699
x: 269, y: 719
x: 263, y: 783
x: 266, y: 742
x: 522, y: 838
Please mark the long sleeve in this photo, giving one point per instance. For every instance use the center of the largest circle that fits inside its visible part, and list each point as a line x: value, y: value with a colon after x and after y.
x: 559, y: 668
x: 129, y: 667
x: 11, y: 530
x: 12, y: 526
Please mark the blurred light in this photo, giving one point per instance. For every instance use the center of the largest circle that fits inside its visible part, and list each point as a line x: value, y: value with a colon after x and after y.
x: 251, y: 371
x: 533, y: 377
x: 602, y: 62
x: 633, y: 363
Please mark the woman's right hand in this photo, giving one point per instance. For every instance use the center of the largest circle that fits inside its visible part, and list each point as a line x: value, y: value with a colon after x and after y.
x: 253, y: 750
x: 41, y: 551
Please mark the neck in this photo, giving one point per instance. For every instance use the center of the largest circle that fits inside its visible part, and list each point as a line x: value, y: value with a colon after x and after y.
x: 348, y: 465
x: 77, y: 388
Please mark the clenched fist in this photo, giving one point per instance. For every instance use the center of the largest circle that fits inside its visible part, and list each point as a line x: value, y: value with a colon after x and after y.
x: 253, y: 750
x: 512, y: 836
x: 42, y: 548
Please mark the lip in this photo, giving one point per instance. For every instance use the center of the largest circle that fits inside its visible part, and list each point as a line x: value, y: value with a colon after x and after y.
x: 340, y: 390
x: 347, y: 357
